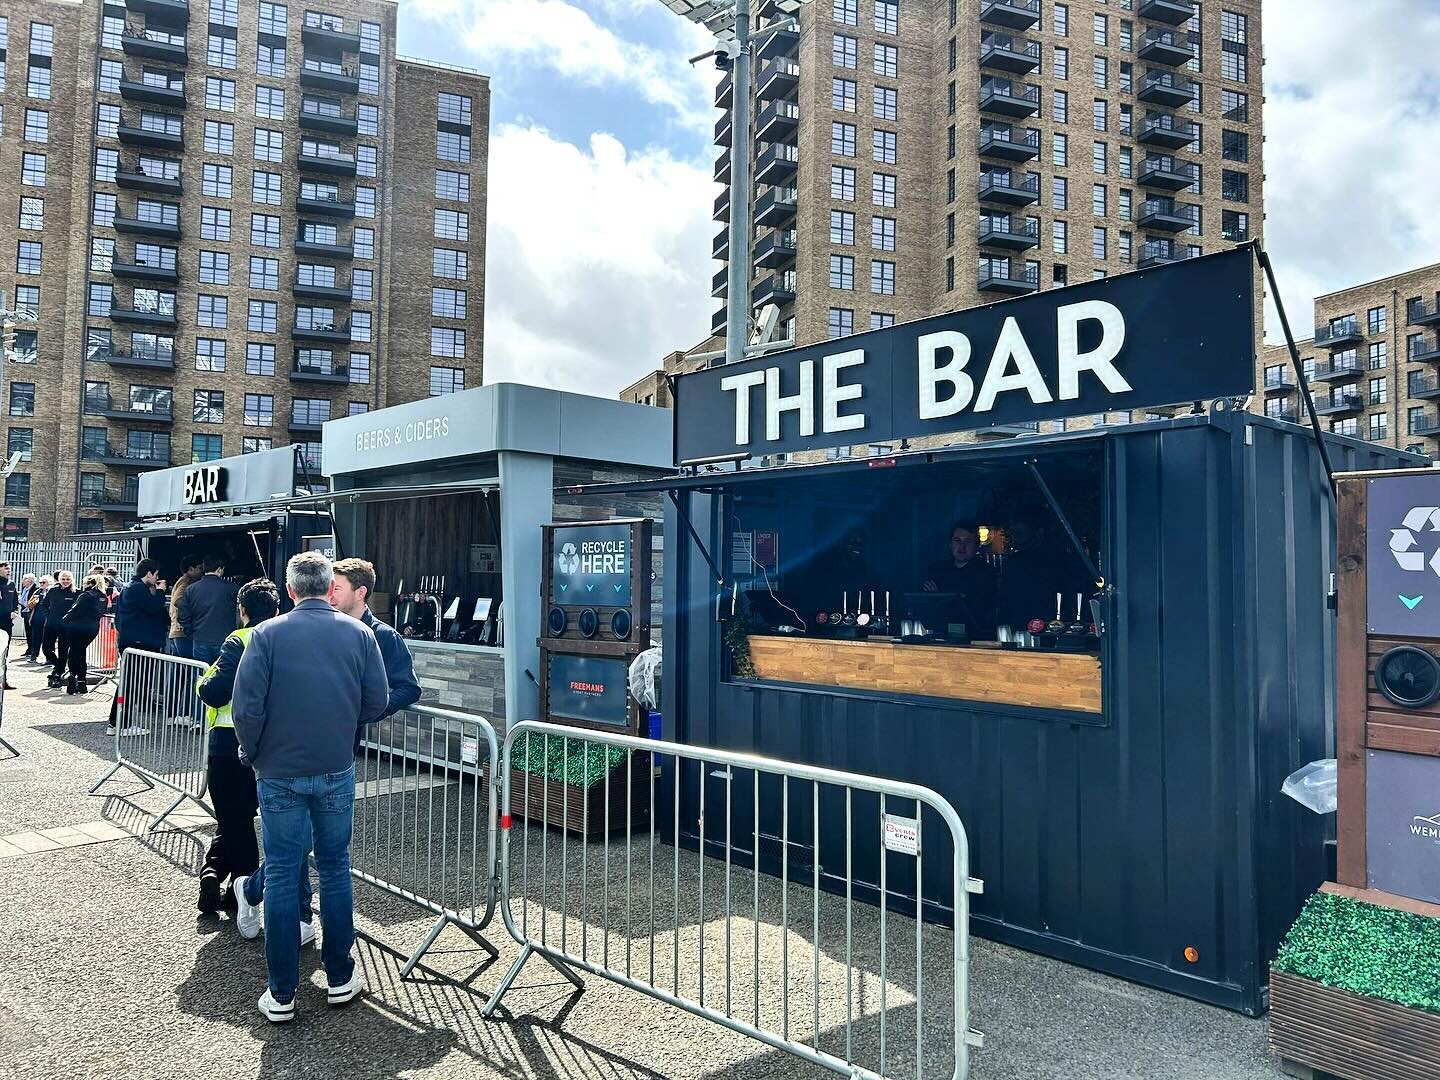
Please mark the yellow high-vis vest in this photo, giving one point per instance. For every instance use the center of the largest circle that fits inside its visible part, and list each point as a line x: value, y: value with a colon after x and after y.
x: 221, y: 717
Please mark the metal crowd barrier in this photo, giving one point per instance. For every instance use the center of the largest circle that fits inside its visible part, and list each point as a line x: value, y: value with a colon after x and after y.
x: 159, y: 735
x: 5, y: 744
x: 614, y: 908
x: 425, y: 822
x: 102, y: 655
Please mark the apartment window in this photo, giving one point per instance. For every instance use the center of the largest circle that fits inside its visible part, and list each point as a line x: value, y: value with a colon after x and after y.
x: 446, y: 263
x: 360, y: 326
x: 447, y: 342
x: 1127, y: 120
x: 449, y: 146
x: 37, y: 83
x: 21, y: 441
x: 259, y: 359
x: 887, y: 61
x: 316, y: 233
x: 842, y: 227
x: 369, y: 78
x: 359, y: 368
x: 215, y: 268
x: 274, y: 19
x: 1375, y: 320
x: 27, y: 257
x: 1377, y: 426
x: 885, y: 147
x: 882, y: 277
x: 452, y: 185
x: 269, y: 103
x: 1059, y: 193
x: 224, y: 12
x: 259, y: 410
x: 1126, y: 246
x: 107, y: 121
x: 1100, y: 114
x: 42, y: 38
x: 1059, y: 150
x: 1097, y: 242
x: 32, y: 213
x: 1235, y: 106
x: 950, y: 273
x: 882, y: 233
x: 1378, y: 355
x: 842, y: 51
x: 205, y: 448
x: 111, y: 28
x: 841, y: 322
x: 887, y: 103
x: 214, y: 223
x: 209, y: 407
x: 209, y: 354
x: 264, y: 273
x: 370, y: 38
x: 1377, y: 391
x: 270, y: 60
x: 219, y: 137
x: 842, y: 138
x: 1126, y: 166
x: 265, y: 230
x: 220, y: 52
x: 22, y: 399
x: 269, y: 144
x: 1234, y: 226
x: 1126, y: 204
x: 950, y: 100
x: 17, y: 489
x: 950, y: 186
x: 1060, y: 62
x: 1098, y: 158
x: 261, y: 316
x: 842, y: 272
x: 1349, y: 426
x: 362, y: 287
x: 887, y: 16
x: 216, y: 181
x: 1060, y: 20
x: 1234, y: 145
x: 842, y: 94
x: 364, y: 243
x: 446, y: 380
x: 1059, y: 238
x: 454, y: 109
x: 27, y: 298
x: 365, y: 202
x: 37, y: 126
x: 844, y: 11
x: 220, y: 94
x: 882, y: 189
x: 1060, y: 107
x: 1414, y: 345
x: 254, y: 444
x: 106, y: 164
x: 1234, y: 186
x: 447, y: 303
x: 879, y: 320
x: 1102, y: 30
x: 1127, y: 38
x: 314, y: 274
x: 99, y: 300
x: 367, y: 119
x: 452, y: 225
x: 1101, y: 71
x: 213, y: 311
x: 1097, y: 200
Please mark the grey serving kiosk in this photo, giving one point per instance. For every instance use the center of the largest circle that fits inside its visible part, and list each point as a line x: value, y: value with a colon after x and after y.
x: 447, y: 497
x: 1117, y: 765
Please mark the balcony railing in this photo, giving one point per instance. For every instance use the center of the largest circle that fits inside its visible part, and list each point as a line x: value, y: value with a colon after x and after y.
x: 1346, y: 369
x: 109, y: 499
x: 1007, y: 232
x: 124, y: 455
x: 1165, y: 130
x: 1426, y: 423
x: 1169, y: 47
x: 1009, y: 98
x: 1344, y: 332
x: 1280, y: 380
x: 1009, y: 54
x: 1419, y: 313
x: 1002, y: 277
x: 1008, y: 188
x: 1166, y: 88
x: 1016, y: 14
x: 1423, y: 386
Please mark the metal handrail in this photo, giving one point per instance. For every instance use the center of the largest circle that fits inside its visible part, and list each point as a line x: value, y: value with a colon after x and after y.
x: 1028, y: 227
x: 1030, y: 49
x: 1022, y: 91
x: 1030, y: 183
x: 1031, y: 136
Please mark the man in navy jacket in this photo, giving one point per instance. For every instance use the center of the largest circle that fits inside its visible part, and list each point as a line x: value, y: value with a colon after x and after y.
x: 142, y: 618
x: 354, y: 582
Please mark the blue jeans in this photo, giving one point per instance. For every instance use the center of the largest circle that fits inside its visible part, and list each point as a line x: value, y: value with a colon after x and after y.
x: 255, y: 885
x: 291, y: 811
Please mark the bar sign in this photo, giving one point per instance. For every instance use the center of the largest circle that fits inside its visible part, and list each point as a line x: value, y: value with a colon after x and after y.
x: 902, y: 834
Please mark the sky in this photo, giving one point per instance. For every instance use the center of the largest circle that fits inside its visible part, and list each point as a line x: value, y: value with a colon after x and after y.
x: 601, y: 163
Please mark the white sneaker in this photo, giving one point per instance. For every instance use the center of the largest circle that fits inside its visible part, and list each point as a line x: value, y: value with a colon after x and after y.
x: 180, y: 721
x: 307, y: 933
x: 109, y: 730
x: 132, y: 731
x: 339, y: 995
x: 274, y: 1011
x: 247, y: 921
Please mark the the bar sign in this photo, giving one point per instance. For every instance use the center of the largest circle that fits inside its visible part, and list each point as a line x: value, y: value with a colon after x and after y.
x: 902, y: 834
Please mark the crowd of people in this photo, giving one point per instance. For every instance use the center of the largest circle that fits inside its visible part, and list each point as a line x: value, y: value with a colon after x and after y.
x: 285, y: 698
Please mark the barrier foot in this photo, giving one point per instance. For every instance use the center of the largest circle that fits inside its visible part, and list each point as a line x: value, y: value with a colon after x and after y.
x: 563, y: 969
x: 506, y: 982
x: 113, y: 770
x: 409, y: 965
x: 166, y: 812
x: 9, y: 748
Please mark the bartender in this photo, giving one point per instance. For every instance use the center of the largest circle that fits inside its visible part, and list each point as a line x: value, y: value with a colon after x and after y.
x: 969, y: 578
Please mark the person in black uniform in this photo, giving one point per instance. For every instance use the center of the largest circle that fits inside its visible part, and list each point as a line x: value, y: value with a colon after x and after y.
x: 969, y: 578
x: 56, y: 643
x: 82, y: 624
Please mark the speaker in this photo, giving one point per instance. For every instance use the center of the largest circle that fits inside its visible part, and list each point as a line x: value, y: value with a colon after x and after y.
x: 589, y: 623
x: 1408, y: 676
x: 620, y: 625
x: 557, y: 621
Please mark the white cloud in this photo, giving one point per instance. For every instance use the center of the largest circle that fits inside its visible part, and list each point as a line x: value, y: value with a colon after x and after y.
x: 1352, y: 146
x: 597, y: 260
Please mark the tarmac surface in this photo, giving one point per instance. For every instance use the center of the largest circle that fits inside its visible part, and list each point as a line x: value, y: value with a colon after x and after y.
x: 106, y: 970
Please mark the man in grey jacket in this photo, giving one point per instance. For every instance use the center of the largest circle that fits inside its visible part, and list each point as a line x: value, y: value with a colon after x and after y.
x: 305, y: 681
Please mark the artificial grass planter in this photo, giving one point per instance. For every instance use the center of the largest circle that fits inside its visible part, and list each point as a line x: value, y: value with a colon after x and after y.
x: 1374, y: 951
x: 566, y: 761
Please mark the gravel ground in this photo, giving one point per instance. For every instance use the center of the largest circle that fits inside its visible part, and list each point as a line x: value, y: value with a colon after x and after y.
x: 106, y: 970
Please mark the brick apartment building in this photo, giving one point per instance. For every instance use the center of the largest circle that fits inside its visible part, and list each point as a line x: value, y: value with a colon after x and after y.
x: 225, y: 222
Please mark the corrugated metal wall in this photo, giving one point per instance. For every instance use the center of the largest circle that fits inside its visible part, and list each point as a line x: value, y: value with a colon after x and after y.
x: 1115, y: 846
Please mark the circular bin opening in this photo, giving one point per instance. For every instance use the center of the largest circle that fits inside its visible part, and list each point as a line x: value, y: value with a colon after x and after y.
x: 1408, y: 676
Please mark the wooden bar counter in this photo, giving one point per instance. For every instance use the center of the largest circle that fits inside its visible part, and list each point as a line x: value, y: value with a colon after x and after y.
x: 980, y: 672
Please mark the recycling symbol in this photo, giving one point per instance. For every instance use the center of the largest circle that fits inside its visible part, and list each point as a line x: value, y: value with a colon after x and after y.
x: 569, y: 558
x: 1402, y: 540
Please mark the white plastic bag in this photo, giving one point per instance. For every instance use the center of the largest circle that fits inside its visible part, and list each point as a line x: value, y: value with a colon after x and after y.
x: 645, y: 678
x: 1313, y: 786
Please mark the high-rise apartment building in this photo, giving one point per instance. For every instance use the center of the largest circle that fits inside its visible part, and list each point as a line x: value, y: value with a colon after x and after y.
x: 919, y: 156
x: 1371, y: 363
x: 222, y: 222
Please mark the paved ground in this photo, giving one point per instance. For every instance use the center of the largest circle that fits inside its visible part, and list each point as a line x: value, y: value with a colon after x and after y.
x: 106, y: 970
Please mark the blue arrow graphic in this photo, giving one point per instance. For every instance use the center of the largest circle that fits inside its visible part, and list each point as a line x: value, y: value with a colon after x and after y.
x: 617, y: 588
x: 589, y: 588
x: 1411, y: 604
x: 563, y: 587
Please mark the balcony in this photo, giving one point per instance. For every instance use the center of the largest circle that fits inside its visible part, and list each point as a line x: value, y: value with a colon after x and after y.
x: 332, y: 374
x: 150, y: 93
x: 1158, y: 253
x: 142, y: 136
x: 173, y: 11
x: 1010, y: 190
x: 1170, y: 12
x: 154, y: 45
x: 717, y: 323
x: 720, y: 249
x: 332, y: 164
x: 776, y: 208
x: 330, y: 39
x: 722, y: 130
x: 1000, y: 277
x: 325, y: 205
x: 777, y: 120
x: 1349, y: 369
x: 323, y: 250
x: 1166, y: 88
x: 1016, y: 14
x: 307, y: 420
x: 776, y: 249
x: 1165, y: 173
x: 141, y: 181
x: 1009, y: 99
x: 1009, y: 431
x: 720, y: 283
x: 1338, y: 405
x: 1418, y: 313
x: 1426, y: 353
x: 778, y: 79
x: 332, y: 293
x: 313, y: 118
x: 1001, y: 52
x: 722, y: 167
x: 1285, y: 416
x: 144, y: 271
x: 1427, y: 423
x: 1007, y: 233
x: 1337, y: 334
x: 777, y: 289
x: 337, y: 78
x: 1164, y: 130
x: 325, y: 333
x: 1169, y: 47
x: 125, y: 457
x: 140, y: 413
x: 776, y: 164
x: 1281, y: 381
x: 147, y: 317
x: 725, y: 91
x: 722, y: 207
x: 111, y: 501
x: 119, y: 358
x: 144, y: 227
x: 1166, y: 215
x: 780, y: 43
x: 1009, y: 145
x: 1419, y: 387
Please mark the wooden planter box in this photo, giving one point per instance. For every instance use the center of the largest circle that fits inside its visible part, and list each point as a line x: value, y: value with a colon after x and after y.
x: 1317, y: 1029
x: 584, y: 815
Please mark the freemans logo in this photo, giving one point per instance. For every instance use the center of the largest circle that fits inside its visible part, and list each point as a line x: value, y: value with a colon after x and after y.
x: 1427, y: 828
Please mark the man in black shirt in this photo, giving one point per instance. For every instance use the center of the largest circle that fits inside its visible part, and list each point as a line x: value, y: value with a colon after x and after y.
x: 969, y: 578
x: 207, y: 611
